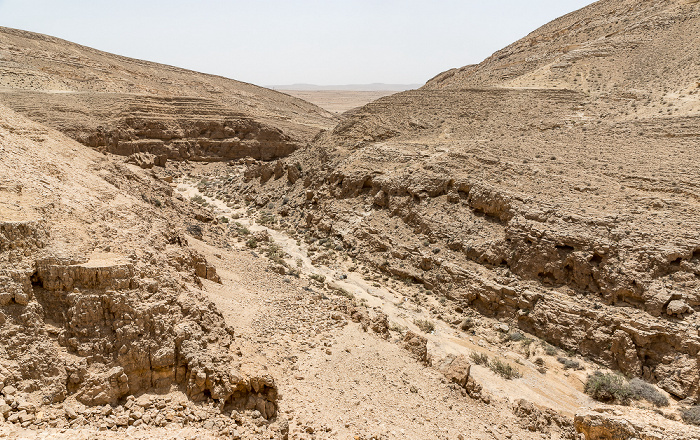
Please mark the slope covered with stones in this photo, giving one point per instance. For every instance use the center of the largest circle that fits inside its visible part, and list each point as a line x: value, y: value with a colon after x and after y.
x: 642, y: 51
x: 125, y: 106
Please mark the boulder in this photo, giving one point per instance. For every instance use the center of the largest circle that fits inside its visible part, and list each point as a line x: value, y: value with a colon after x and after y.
x: 455, y: 368
x: 417, y: 345
x: 293, y: 173
x: 380, y: 324
x: 147, y: 160
x: 104, y: 387
x: 678, y: 307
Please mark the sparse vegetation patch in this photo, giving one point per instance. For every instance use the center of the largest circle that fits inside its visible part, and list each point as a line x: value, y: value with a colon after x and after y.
x: 642, y: 390
x: 607, y: 387
x: 504, y: 369
x: 318, y: 277
x: 612, y: 387
x: 691, y: 415
x: 479, y: 358
x: 572, y: 364
x: 425, y: 325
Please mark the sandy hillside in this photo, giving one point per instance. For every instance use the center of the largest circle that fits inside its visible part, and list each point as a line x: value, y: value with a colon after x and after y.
x: 124, y: 106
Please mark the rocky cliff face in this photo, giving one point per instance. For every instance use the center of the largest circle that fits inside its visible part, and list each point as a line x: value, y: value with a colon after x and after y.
x: 99, y: 292
x: 571, y: 214
x: 196, y: 129
x: 564, y: 279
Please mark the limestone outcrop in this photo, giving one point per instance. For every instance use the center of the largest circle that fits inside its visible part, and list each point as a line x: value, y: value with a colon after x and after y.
x: 456, y: 369
x: 544, y: 420
x: 123, y: 336
x: 417, y: 345
x: 100, y: 294
x: 602, y: 424
x: 533, y: 203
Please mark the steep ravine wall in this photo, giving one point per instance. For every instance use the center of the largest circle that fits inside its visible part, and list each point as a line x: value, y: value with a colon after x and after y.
x: 563, y: 278
x: 105, y: 327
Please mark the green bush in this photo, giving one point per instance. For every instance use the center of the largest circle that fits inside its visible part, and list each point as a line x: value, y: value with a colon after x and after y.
x: 242, y: 230
x: 504, y: 369
x: 570, y: 363
x: 479, y: 358
x: 641, y: 390
x: 267, y: 218
x: 607, y: 387
x: 516, y: 336
x: 394, y: 327
x: 318, y: 277
x: 525, y: 343
x: 198, y: 199
x: 611, y: 387
x: 550, y: 350
x: 273, y: 250
x: 252, y: 243
x: 345, y: 293
x: 425, y: 325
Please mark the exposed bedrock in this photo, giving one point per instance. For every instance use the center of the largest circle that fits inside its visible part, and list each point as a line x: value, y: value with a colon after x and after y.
x: 180, y: 128
x: 604, y: 423
x: 20, y: 237
x: 554, y: 248
x: 579, y: 282
x: 203, y: 140
x: 103, y: 327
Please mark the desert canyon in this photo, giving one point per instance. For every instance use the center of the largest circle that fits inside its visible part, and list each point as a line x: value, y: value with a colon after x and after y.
x: 511, y: 251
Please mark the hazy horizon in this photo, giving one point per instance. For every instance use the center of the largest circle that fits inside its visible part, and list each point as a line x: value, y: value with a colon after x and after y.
x: 347, y: 87
x: 305, y: 42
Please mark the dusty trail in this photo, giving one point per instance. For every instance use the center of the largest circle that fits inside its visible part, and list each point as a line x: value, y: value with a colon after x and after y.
x: 559, y: 389
x: 334, y: 379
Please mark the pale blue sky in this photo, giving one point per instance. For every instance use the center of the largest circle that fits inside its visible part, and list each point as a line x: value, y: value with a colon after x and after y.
x: 283, y: 41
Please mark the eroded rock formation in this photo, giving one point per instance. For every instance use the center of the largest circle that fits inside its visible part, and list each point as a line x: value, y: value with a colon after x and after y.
x: 99, y: 292
x: 544, y: 205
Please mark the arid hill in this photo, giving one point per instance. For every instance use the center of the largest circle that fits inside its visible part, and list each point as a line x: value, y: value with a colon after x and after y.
x: 117, y: 320
x: 124, y: 106
x: 611, y: 47
x: 132, y: 305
